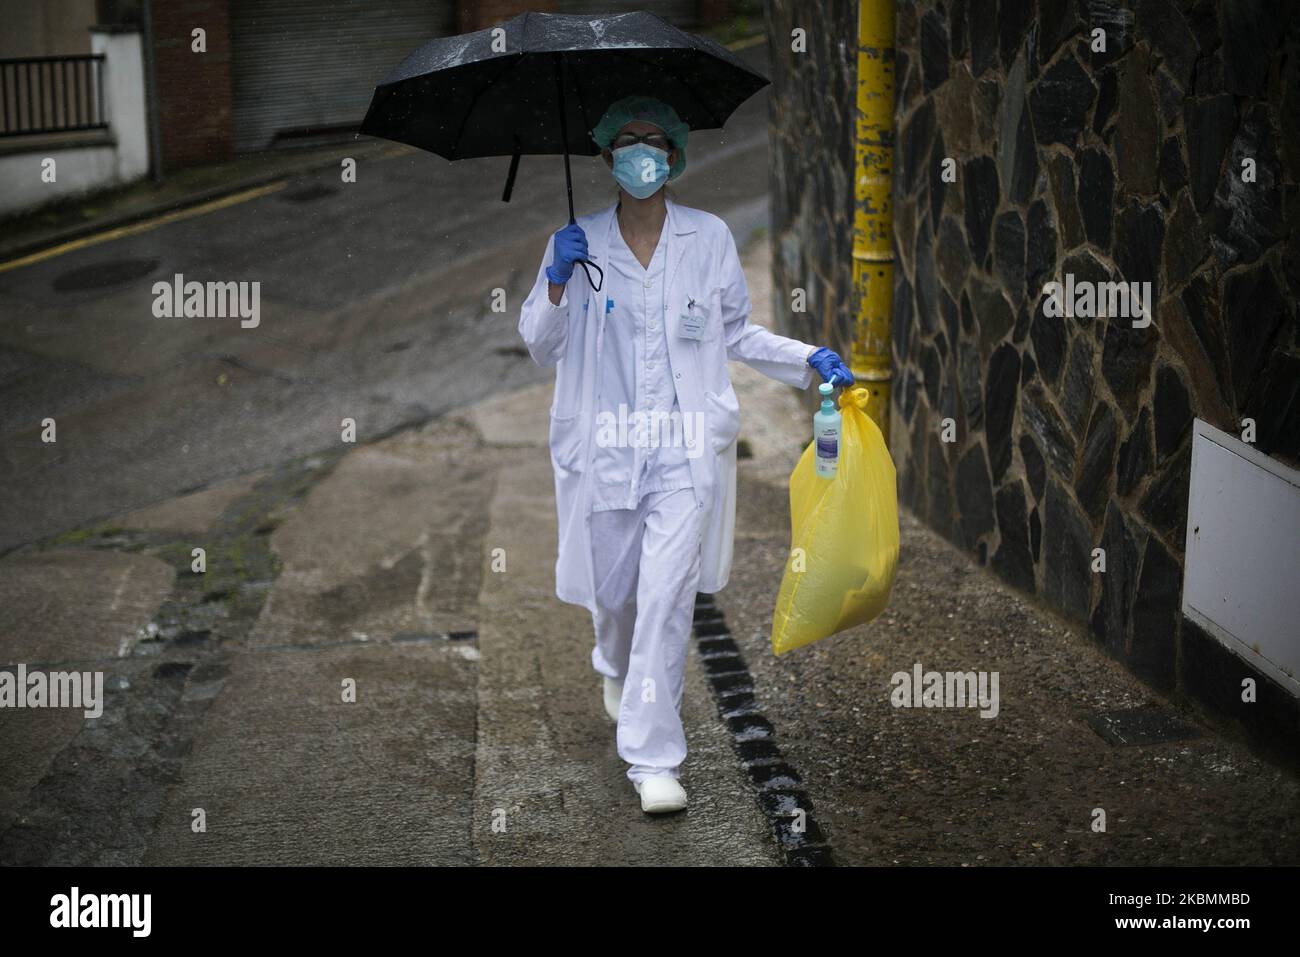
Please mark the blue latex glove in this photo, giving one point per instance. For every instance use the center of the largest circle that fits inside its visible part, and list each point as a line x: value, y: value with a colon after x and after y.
x: 829, y: 364
x: 570, y: 246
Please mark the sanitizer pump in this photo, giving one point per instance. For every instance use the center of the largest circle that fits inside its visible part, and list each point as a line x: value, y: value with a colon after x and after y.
x: 826, y: 433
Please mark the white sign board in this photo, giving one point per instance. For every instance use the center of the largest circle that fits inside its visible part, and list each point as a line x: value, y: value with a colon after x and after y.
x: 1241, y: 579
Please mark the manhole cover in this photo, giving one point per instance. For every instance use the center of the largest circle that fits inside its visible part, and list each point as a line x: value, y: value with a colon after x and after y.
x: 1137, y: 726
x: 116, y: 272
x: 309, y: 194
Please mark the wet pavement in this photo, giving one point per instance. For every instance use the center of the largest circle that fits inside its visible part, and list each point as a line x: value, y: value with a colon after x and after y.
x: 1075, y: 734
x: 377, y: 302
x: 372, y: 668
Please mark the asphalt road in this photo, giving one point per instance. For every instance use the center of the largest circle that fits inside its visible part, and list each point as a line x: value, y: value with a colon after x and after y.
x: 375, y: 305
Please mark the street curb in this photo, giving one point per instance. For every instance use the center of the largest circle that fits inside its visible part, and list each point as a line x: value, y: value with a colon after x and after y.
x: 187, y: 201
x: 101, y: 226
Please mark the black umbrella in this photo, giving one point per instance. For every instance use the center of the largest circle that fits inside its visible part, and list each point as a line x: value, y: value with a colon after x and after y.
x: 499, y: 91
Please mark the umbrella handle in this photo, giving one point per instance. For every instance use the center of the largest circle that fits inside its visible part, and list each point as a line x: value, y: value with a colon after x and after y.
x: 584, y: 263
x: 564, y: 129
x: 568, y: 176
x: 510, y: 177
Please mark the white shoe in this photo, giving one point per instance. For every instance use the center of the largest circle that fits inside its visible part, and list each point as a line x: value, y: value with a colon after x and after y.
x: 613, y: 698
x: 661, y: 794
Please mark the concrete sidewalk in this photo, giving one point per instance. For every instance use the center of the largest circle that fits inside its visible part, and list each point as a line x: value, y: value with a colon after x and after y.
x: 374, y: 669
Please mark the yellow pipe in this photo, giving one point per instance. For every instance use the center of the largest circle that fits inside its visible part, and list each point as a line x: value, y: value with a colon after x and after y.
x: 873, y: 213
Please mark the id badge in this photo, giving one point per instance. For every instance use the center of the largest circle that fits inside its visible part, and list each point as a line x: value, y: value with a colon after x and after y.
x: 692, y: 321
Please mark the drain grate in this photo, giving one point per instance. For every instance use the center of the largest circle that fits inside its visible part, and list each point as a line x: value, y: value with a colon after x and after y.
x: 1133, y: 727
x: 779, y: 787
x: 115, y: 272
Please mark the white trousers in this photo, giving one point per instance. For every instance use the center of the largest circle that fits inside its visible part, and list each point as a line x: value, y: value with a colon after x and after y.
x: 647, y: 562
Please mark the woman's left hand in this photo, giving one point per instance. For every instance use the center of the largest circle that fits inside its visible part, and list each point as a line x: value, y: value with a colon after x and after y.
x: 829, y: 365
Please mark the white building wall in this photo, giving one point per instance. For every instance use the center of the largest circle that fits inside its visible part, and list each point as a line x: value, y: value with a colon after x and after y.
x: 87, y: 162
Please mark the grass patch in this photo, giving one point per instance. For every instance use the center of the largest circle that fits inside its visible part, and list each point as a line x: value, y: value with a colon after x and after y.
x: 79, y: 536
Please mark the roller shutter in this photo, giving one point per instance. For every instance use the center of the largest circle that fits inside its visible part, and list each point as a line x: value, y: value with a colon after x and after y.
x: 310, y: 65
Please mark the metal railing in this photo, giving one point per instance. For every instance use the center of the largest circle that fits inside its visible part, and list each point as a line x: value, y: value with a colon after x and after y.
x: 51, y: 94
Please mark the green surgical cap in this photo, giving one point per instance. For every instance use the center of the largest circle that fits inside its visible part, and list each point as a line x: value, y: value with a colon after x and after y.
x: 649, y: 110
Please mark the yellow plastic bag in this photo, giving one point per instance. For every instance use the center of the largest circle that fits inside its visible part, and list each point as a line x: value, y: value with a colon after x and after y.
x: 843, y: 535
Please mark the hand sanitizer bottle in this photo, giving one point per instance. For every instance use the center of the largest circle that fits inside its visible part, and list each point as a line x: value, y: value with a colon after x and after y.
x: 826, y: 433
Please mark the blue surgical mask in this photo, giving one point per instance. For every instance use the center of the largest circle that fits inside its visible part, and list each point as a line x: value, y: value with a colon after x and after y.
x: 640, y: 169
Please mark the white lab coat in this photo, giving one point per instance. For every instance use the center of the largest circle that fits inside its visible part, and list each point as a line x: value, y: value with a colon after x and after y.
x: 635, y: 374
x: 702, y: 264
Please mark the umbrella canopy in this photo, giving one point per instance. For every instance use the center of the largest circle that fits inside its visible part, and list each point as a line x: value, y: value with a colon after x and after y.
x: 542, y: 83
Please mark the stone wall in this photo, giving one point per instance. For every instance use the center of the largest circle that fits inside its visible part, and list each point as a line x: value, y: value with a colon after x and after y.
x: 1116, y: 165
x: 812, y: 165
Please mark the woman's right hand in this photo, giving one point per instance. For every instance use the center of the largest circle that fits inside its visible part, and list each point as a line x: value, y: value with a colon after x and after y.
x: 570, y: 246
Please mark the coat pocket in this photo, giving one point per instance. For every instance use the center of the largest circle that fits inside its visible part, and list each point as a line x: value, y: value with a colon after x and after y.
x: 566, y: 442
x: 724, y: 417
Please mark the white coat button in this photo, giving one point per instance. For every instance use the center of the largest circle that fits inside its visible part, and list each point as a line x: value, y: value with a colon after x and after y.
x: 649, y: 283
x: 677, y: 376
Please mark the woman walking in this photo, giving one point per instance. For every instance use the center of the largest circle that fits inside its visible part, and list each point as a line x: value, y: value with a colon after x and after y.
x: 646, y: 514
